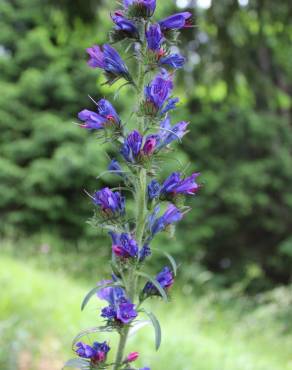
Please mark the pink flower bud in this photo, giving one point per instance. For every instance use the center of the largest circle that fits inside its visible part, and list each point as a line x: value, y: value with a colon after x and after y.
x: 132, y: 356
x: 100, y: 356
x: 118, y: 250
x: 149, y: 146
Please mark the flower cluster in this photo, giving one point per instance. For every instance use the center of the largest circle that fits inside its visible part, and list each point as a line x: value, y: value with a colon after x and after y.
x: 120, y: 310
x: 96, y: 353
x: 158, y: 203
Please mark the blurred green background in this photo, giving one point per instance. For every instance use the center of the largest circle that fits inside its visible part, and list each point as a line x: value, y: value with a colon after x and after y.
x: 231, y: 307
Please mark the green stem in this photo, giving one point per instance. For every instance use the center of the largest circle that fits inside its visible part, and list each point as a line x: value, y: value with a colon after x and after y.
x: 141, y: 205
x: 140, y: 200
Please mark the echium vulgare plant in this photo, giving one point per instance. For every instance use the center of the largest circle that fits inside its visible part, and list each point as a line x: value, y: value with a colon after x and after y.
x: 139, y: 153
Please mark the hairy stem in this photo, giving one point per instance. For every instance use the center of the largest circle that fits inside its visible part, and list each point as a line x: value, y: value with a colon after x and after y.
x: 140, y: 203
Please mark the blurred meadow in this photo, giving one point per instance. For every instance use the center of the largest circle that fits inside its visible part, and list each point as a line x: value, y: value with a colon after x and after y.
x: 231, y: 305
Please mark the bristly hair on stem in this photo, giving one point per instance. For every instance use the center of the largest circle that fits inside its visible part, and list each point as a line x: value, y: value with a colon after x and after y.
x: 158, y: 203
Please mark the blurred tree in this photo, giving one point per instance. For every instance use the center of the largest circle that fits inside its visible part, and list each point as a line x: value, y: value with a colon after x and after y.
x: 239, y: 97
x: 45, y: 159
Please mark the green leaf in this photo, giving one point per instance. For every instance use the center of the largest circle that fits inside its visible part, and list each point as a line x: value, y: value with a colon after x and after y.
x: 157, y: 328
x: 88, y: 296
x: 77, y: 363
x: 170, y: 258
x: 155, y: 283
x: 90, y: 331
x: 93, y: 291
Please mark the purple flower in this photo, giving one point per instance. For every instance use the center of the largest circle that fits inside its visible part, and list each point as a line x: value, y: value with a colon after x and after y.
x: 176, y: 21
x: 106, y: 110
x: 158, y: 91
x: 154, y: 37
x: 110, y: 203
x: 144, y: 253
x: 145, y: 368
x: 171, y: 104
x: 153, y: 189
x: 111, y: 294
x: 172, y: 60
x: 141, y: 7
x: 106, y: 114
x: 108, y: 59
x: 124, y: 246
x: 126, y: 312
x: 171, y: 215
x: 170, y: 183
x: 84, y: 350
x: 109, y: 313
x: 164, y: 278
x: 124, y: 25
x: 96, y: 353
x: 120, y: 308
x: 132, y: 146
x: 175, y: 185
x: 169, y: 133
x: 92, y: 120
x: 134, y: 141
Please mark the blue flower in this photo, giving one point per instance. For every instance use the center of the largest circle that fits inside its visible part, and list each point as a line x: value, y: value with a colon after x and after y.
x: 164, y: 278
x: 124, y: 246
x: 106, y: 110
x: 168, y: 133
x: 157, y: 93
x: 171, y: 215
x: 176, y: 21
x: 106, y: 114
x: 84, y: 350
x: 108, y: 59
x: 126, y: 312
x: 154, y: 37
x: 124, y: 25
x: 172, y: 60
x: 110, y: 203
x: 120, y: 308
x: 92, y: 120
x: 170, y: 183
x: 132, y: 146
x: 111, y: 294
x: 171, y: 105
x: 97, y: 353
x: 174, y: 184
x: 153, y: 189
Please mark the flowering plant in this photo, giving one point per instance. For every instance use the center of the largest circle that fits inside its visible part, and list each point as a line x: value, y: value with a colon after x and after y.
x: 159, y: 204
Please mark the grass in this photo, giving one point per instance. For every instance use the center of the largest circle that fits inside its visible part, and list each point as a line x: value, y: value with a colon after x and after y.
x: 40, y: 314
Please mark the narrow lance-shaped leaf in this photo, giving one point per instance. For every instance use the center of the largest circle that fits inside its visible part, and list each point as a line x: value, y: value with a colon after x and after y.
x: 170, y: 258
x: 155, y: 283
x: 90, y: 331
x: 157, y: 328
x: 93, y: 291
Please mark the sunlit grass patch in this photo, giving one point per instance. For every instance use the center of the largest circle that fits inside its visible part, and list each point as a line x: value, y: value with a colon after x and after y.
x: 40, y: 314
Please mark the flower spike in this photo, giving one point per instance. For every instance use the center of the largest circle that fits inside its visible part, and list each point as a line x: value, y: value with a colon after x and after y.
x: 137, y: 147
